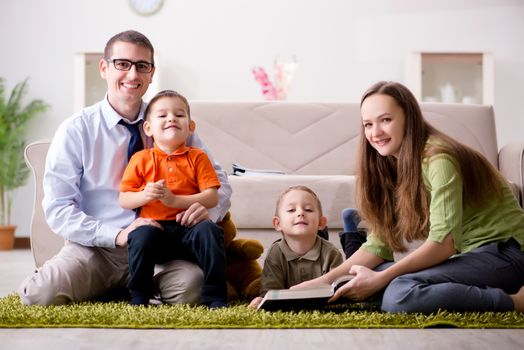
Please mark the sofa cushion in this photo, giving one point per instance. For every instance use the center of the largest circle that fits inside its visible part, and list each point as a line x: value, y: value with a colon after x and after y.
x: 254, y: 197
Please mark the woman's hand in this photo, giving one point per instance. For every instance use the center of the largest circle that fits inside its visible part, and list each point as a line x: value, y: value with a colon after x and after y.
x: 365, y: 283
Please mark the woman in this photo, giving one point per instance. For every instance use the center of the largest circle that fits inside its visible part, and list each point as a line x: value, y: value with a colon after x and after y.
x: 417, y: 183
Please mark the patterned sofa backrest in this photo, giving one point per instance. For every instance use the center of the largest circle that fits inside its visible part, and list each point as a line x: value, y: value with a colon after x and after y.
x: 317, y: 138
x: 297, y: 138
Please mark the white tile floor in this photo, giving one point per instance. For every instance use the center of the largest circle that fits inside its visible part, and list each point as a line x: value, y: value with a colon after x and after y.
x: 15, y: 265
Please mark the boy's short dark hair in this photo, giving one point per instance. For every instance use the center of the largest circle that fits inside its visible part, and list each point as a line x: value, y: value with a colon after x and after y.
x: 167, y: 93
x: 129, y: 36
x: 298, y: 188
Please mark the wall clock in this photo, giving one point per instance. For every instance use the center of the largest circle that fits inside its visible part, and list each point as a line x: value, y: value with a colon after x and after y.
x: 146, y: 7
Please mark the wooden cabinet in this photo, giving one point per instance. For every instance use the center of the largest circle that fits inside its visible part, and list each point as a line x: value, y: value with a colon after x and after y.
x: 89, y: 85
x: 452, y: 77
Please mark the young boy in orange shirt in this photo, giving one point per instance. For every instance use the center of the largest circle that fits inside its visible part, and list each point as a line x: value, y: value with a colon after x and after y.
x: 163, y: 181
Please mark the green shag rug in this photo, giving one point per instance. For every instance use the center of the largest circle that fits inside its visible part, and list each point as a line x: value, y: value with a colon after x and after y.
x: 121, y: 315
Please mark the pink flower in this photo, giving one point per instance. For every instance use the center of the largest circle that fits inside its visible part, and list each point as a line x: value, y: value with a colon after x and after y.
x: 268, y: 90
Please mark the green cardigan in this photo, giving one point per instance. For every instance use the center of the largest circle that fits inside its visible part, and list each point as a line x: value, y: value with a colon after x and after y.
x: 470, y: 227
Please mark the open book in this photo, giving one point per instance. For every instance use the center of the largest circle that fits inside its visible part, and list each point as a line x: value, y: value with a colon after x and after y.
x: 240, y: 170
x: 307, y: 298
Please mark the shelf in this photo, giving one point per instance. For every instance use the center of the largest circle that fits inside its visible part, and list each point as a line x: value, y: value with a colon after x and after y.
x: 90, y: 87
x: 451, y: 77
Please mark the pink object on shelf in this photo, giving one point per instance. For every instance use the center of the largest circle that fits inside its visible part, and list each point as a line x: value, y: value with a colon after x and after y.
x: 283, y: 70
x: 268, y: 90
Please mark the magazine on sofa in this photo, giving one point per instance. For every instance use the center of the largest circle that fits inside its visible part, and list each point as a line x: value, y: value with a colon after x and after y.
x: 240, y: 170
x: 307, y: 298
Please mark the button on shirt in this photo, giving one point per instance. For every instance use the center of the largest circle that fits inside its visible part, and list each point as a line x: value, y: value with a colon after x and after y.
x: 84, y: 167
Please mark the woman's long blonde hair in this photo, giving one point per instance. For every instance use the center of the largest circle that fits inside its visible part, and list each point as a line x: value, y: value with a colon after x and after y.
x: 391, y: 194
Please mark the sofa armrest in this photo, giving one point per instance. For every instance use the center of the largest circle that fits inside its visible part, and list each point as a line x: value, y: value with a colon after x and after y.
x: 511, y: 165
x: 44, y: 243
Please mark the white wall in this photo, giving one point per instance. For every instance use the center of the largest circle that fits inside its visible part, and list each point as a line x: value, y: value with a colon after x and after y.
x: 206, y: 49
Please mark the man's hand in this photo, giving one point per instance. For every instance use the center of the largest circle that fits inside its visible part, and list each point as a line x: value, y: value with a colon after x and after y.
x: 192, y: 215
x: 121, y: 238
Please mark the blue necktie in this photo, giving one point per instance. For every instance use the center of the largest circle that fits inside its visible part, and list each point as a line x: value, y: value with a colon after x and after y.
x: 135, y: 144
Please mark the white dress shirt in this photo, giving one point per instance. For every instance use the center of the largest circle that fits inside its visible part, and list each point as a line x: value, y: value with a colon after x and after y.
x: 84, y: 167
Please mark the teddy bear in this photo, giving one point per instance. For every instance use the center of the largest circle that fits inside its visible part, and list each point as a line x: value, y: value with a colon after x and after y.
x: 243, y: 271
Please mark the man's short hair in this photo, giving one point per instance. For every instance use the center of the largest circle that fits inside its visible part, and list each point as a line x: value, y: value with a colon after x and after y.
x: 129, y: 36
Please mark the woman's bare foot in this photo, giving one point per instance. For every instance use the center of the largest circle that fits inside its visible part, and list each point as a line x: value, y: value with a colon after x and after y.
x: 518, y: 300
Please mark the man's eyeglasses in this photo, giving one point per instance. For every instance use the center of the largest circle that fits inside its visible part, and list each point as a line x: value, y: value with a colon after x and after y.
x: 125, y: 65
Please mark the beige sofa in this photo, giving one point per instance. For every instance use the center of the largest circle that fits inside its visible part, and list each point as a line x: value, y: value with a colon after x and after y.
x: 314, y: 144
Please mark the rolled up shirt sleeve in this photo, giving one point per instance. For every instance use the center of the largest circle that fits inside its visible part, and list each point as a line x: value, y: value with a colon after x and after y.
x: 65, y: 205
x: 375, y: 246
x: 444, y: 182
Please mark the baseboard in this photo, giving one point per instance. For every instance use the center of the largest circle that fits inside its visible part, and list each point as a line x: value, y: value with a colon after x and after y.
x: 22, y: 243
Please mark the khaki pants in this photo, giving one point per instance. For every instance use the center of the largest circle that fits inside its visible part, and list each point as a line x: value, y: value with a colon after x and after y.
x: 79, y: 273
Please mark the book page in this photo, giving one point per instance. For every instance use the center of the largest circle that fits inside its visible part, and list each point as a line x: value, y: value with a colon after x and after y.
x: 339, y: 282
x: 317, y: 292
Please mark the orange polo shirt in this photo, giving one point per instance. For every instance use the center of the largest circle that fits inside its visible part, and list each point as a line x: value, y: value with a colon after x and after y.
x: 186, y: 171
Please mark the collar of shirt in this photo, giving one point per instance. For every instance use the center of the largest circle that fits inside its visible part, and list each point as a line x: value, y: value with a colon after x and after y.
x: 111, y: 117
x: 179, y: 151
x: 313, y: 254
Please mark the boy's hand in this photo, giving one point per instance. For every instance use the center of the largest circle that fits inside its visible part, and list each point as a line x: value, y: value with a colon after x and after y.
x: 255, y: 302
x: 167, y: 197
x: 155, y: 190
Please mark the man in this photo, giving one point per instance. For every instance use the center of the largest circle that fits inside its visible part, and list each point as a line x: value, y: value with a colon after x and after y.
x: 84, y: 166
